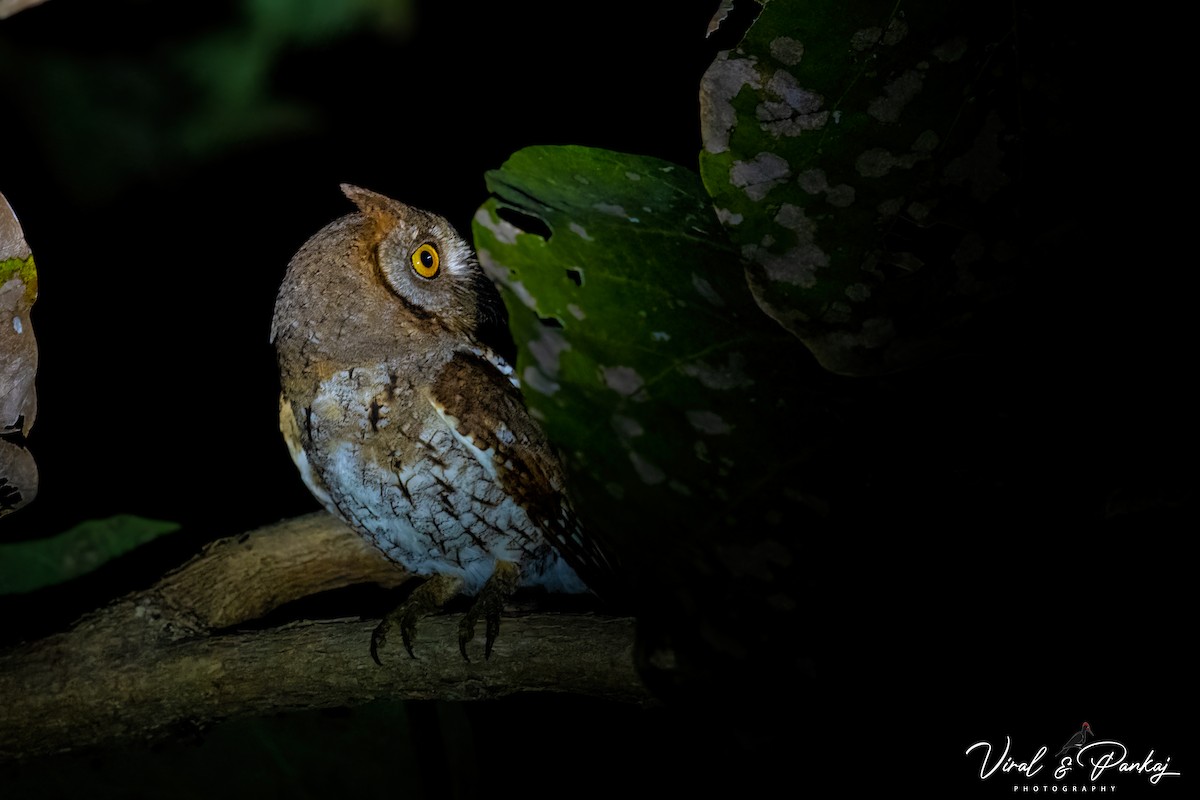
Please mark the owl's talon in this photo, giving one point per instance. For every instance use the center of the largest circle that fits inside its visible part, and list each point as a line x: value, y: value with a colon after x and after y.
x: 493, y: 630
x: 408, y: 629
x: 378, y: 639
x: 407, y: 618
x: 425, y: 599
x: 489, y: 603
x: 466, y: 632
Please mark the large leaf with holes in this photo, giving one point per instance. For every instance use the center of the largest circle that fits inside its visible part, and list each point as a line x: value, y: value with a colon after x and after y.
x: 639, y: 344
x: 676, y: 401
x: 862, y: 155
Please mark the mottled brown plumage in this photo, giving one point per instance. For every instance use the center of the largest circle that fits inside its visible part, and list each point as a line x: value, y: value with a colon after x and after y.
x: 407, y: 427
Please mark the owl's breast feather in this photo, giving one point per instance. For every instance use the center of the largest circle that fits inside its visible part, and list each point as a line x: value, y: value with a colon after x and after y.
x: 396, y: 467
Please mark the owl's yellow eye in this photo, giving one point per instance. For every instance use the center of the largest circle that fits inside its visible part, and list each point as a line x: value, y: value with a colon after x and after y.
x: 425, y: 261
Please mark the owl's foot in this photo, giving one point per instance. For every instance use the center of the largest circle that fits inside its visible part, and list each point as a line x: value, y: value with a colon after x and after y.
x: 489, y: 603
x: 425, y: 599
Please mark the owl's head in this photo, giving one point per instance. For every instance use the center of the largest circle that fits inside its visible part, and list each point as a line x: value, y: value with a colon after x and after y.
x: 422, y: 260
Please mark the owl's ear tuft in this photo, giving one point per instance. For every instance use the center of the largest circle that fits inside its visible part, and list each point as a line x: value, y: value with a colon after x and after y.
x: 373, y: 204
x: 369, y: 202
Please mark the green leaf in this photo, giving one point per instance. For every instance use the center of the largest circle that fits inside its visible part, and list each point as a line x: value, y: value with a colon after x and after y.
x: 640, y: 347
x: 30, y: 565
x: 862, y: 155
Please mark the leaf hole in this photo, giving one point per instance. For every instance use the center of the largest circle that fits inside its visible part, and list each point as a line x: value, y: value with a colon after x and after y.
x: 15, y: 433
x: 575, y: 276
x: 550, y: 322
x: 525, y: 222
x: 10, y: 495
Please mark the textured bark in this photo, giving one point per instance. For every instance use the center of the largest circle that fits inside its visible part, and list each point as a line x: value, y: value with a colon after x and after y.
x: 171, y: 657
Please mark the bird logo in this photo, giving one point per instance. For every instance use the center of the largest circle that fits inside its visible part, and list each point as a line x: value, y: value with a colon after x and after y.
x: 1077, y: 740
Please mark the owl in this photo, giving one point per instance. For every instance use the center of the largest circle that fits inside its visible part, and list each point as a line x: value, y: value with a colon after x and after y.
x: 404, y: 425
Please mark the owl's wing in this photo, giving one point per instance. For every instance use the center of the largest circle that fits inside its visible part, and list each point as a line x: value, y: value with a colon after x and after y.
x: 477, y: 395
x: 290, y: 429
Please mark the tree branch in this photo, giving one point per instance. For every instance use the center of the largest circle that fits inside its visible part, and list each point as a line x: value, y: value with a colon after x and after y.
x: 169, y: 656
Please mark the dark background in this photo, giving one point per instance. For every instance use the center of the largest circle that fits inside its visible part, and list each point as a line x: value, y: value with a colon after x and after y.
x: 1013, y: 563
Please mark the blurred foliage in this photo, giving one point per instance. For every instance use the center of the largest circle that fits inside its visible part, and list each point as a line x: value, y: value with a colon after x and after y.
x: 115, y: 110
x: 863, y: 156
x: 232, y: 68
x: 29, y: 565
